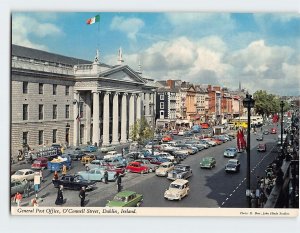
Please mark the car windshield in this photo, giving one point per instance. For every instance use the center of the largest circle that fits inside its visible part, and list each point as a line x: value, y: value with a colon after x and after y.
x: 117, y: 198
x: 206, y: 160
x: 164, y: 166
x: 232, y: 162
x: 175, y: 186
x: 19, y: 173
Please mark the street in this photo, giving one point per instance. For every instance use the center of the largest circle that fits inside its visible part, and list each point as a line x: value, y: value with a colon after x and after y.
x: 209, y: 188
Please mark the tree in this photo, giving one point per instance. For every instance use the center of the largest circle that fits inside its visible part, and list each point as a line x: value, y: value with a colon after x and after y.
x: 141, y: 131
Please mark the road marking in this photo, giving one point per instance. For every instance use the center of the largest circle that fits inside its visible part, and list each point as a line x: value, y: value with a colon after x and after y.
x: 234, y: 190
x: 230, y: 195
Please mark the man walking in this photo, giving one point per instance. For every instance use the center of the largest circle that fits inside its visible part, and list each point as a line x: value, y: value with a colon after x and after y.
x: 82, y: 196
x: 105, y: 177
x: 119, y: 182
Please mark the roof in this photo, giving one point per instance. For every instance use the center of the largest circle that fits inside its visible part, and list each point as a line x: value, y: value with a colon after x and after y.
x: 180, y: 182
x: 36, y: 54
x: 125, y: 193
x: 166, y: 163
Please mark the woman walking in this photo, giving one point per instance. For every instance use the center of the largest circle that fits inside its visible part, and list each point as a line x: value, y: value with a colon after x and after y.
x: 60, y: 197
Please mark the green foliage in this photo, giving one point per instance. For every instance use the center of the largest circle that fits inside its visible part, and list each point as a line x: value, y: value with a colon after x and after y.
x: 266, y: 104
x: 141, y: 131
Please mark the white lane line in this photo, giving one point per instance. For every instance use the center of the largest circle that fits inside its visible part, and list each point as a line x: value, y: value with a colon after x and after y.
x: 223, y: 203
x: 234, y: 190
x: 230, y: 195
x: 227, y: 198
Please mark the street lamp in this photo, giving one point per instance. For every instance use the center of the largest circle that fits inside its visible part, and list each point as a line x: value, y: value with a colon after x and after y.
x: 76, y: 103
x: 248, y: 103
x: 281, y: 125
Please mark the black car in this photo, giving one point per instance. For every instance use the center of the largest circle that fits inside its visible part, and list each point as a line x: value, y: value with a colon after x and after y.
x: 266, y: 132
x: 260, y: 137
x: 233, y: 165
x: 180, y: 172
x: 77, y: 154
x: 75, y: 182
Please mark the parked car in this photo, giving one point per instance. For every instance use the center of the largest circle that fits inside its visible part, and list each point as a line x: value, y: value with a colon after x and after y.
x: 180, y: 133
x: 40, y: 163
x: 97, y: 174
x: 174, y: 132
x: 88, y: 158
x: 177, y: 190
x: 137, y: 167
x: 118, y: 169
x: 273, y: 131
x: 262, y: 147
x: 126, y: 199
x: 164, y: 168
x: 208, y: 162
x: 259, y: 137
x: 95, y: 164
x: 187, y: 134
x: 117, y: 161
x: 23, y: 174
x: 17, y: 186
x: 233, y: 165
x: 266, y: 132
x: 77, y: 155
x: 75, y: 182
x: 167, y: 138
x: 230, y: 152
x: 180, y: 171
x: 107, y: 149
x: 90, y: 148
x: 152, y: 167
x: 112, y: 154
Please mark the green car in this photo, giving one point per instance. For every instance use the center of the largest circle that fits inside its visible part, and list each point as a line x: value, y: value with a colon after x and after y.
x: 126, y: 199
x: 208, y: 162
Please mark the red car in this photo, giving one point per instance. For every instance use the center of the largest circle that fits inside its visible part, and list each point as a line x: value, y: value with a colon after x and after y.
x: 153, y: 160
x: 262, y: 147
x: 137, y: 167
x: 273, y: 131
x: 120, y: 170
x: 167, y: 138
x: 40, y: 163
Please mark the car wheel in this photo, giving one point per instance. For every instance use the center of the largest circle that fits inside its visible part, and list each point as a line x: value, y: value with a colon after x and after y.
x: 150, y: 170
x: 142, y: 172
x: 179, y: 199
x: 138, y: 204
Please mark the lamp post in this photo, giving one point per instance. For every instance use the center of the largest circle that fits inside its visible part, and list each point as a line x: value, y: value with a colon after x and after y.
x: 248, y: 103
x: 281, y: 125
x: 76, y: 103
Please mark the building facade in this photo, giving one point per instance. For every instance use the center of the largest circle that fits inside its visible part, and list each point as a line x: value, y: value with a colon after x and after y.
x: 59, y: 99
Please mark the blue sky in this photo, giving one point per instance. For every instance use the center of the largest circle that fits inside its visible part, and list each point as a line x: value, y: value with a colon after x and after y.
x: 260, y: 50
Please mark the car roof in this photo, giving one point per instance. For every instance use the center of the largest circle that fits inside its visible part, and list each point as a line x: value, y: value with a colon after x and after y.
x: 231, y: 148
x: 166, y: 163
x: 233, y: 160
x: 208, y: 158
x: 25, y: 170
x: 180, y: 182
x: 125, y: 193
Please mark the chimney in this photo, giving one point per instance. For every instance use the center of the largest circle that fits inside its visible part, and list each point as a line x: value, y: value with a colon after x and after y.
x: 171, y: 83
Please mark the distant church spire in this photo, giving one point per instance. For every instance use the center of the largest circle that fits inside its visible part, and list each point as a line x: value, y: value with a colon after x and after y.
x: 120, y: 56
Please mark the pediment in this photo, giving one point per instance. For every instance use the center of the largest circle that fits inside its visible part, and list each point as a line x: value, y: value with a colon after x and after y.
x: 124, y: 74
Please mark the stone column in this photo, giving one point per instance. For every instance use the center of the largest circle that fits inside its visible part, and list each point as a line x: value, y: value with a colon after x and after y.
x: 115, y: 132
x: 138, y: 107
x: 75, y: 117
x: 96, y: 125
x: 124, y: 119
x: 147, y: 102
x: 88, y: 117
x: 131, y: 113
x: 106, y: 119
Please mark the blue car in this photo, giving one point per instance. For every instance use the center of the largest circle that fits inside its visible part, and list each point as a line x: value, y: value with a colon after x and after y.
x: 90, y: 148
x: 97, y: 174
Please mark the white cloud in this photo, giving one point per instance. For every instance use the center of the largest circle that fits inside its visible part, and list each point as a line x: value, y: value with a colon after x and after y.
x: 24, y: 27
x: 280, y: 17
x: 130, y: 26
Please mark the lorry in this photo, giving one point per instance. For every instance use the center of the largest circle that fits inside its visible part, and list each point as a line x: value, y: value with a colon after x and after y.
x: 56, y: 164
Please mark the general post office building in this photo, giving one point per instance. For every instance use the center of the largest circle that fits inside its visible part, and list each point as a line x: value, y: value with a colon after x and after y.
x: 59, y: 99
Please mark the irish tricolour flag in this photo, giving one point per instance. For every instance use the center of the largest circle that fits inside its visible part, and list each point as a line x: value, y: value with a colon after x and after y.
x: 93, y: 20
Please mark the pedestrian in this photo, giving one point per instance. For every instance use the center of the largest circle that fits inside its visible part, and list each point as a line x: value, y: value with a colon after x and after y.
x: 64, y: 170
x: 55, y: 177
x: 41, y: 175
x: 60, y: 197
x: 119, y: 182
x: 26, y: 188
x: 18, y: 198
x: 82, y: 196
x: 105, y: 177
x: 34, y: 202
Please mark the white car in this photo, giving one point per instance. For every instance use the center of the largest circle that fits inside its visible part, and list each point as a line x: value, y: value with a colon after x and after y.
x: 164, y: 168
x: 177, y: 190
x: 23, y: 174
x: 181, y: 133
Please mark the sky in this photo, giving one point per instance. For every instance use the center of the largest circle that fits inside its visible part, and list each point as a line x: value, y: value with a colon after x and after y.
x: 259, y: 50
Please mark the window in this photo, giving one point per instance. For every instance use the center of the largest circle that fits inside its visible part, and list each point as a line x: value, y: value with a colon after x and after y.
x: 54, y: 111
x: 41, y: 137
x: 54, y: 89
x: 25, y: 137
x: 25, y: 112
x: 150, y: 110
x: 162, y: 105
x: 41, y: 88
x: 162, y: 113
x: 67, y: 111
x: 54, y: 132
x: 162, y: 97
x: 41, y: 112
x: 67, y: 92
x: 25, y: 87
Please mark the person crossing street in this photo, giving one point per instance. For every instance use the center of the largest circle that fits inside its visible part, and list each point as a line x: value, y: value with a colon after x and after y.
x: 82, y: 196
